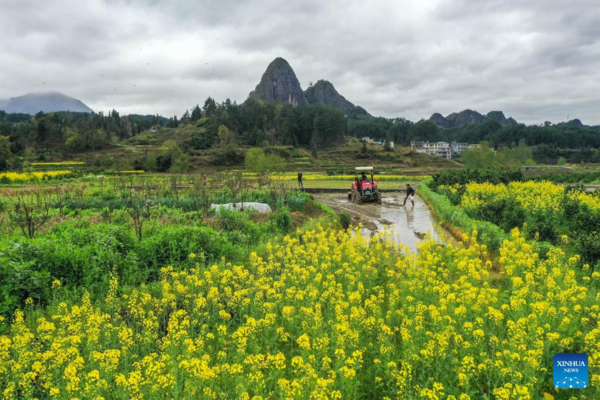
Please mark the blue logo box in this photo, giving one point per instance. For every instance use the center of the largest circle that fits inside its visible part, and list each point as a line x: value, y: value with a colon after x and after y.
x: 571, y: 371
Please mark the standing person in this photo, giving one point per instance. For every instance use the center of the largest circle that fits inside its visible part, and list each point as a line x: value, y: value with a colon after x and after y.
x: 410, y: 194
x: 205, y: 179
x: 300, y: 184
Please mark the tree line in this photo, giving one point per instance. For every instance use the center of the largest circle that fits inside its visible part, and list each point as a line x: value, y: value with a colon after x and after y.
x: 256, y: 123
x: 402, y: 131
x: 71, y: 132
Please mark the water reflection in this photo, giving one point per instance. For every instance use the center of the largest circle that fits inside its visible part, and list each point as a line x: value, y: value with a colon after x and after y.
x: 408, y: 225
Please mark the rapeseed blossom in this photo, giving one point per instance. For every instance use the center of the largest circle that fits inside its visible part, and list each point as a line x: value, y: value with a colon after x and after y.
x: 29, y: 176
x: 533, y: 196
x: 323, y: 314
x: 58, y: 163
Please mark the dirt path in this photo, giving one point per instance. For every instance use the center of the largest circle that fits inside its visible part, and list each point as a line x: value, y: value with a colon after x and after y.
x: 407, y: 225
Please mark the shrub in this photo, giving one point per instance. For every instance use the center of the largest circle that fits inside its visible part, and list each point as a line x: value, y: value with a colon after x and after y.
x: 260, y: 162
x: 163, y: 162
x: 202, y: 140
x: 173, y: 245
x: 587, y: 245
x: 503, y: 212
x: 298, y: 200
x: 544, y: 226
x: 85, y: 258
x: 283, y: 220
x: 345, y: 220
x: 228, y: 157
x: 240, y: 229
x: 77, y: 257
x: 464, y: 176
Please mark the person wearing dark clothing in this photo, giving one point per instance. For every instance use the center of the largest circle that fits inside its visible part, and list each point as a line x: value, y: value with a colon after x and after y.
x: 300, y: 184
x: 410, y: 193
x: 363, y: 177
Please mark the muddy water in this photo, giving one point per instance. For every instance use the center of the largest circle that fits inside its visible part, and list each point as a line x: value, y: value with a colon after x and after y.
x: 408, y: 225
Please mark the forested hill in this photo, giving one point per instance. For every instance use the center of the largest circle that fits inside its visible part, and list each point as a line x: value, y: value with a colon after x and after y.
x: 69, y: 132
x: 562, y: 135
x: 456, y: 120
x: 259, y: 123
x: 253, y: 123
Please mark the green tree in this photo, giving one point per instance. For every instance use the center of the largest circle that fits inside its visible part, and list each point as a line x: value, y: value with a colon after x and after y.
x: 329, y: 127
x: 181, y: 164
x: 426, y: 131
x: 561, y: 162
x: 202, y: 139
x: 210, y: 107
x: 173, y: 122
x: 5, y: 152
x: 259, y: 162
x: 196, y: 114
x: 516, y: 156
x: 185, y: 118
x: 74, y: 143
x: 523, y: 154
x: 481, y: 157
x: 225, y: 137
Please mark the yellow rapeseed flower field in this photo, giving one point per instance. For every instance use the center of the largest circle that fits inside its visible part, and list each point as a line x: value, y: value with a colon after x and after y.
x: 58, y: 163
x: 324, y: 314
x: 533, y: 196
x: 29, y: 176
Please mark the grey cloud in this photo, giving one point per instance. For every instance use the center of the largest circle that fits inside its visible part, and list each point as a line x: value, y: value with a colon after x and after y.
x: 536, y: 60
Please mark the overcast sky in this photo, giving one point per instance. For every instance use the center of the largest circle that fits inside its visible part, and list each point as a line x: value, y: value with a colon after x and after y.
x: 536, y: 60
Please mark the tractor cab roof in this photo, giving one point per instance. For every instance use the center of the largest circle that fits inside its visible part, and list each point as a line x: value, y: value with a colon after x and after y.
x: 364, y: 168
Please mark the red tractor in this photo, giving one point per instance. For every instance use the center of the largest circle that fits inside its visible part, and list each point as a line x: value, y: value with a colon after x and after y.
x: 364, y: 188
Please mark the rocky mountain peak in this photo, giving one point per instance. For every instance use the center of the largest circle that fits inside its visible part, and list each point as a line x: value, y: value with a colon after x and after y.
x: 324, y: 92
x: 279, y: 83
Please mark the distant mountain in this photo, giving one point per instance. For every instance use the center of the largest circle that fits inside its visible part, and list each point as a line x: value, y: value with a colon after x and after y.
x: 499, y: 117
x: 324, y: 92
x: 440, y: 121
x: 33, y: 103
x: 279, y: 83
x: 464, y: 117
x: 3, y: 103
x: 575, y: 123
